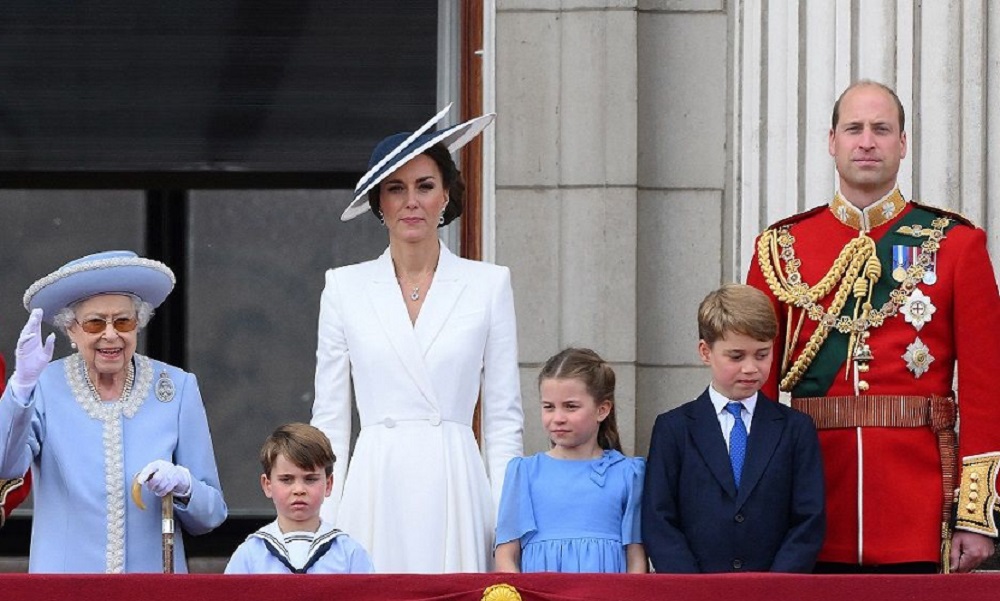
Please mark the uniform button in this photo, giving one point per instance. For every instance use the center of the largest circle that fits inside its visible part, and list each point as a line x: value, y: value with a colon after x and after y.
x: 389, y: 422
x: 974, y: 476
x: 862, y: 386
x: 737, y: 564
x: 739, y: 518
x: 973, y: 496
x: 435, y: 420
x: 971, y: 507
x: 973, y: 486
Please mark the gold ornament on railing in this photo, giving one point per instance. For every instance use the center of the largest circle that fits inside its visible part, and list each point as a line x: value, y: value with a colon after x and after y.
x: 501, y: 592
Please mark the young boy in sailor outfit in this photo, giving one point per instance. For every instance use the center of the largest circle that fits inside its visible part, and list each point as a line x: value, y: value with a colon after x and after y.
x: 298, y: 474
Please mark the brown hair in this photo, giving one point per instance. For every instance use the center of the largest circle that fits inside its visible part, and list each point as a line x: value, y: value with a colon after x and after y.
x: 451, y: 180
x: 835, y: 118
x: 737, y: 308
x: 587, y: 366
x: 302, y: 444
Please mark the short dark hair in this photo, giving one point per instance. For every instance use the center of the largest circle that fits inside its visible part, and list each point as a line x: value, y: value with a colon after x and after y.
x: 451, y: 180
x: 835, y: 119
x: 737, y: 308
x: 304, y: 445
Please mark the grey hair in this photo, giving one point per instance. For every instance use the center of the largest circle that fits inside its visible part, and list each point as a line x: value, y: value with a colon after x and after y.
x: 66, y: 316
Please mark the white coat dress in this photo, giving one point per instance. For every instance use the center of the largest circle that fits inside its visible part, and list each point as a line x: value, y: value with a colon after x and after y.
x: 419, y: 494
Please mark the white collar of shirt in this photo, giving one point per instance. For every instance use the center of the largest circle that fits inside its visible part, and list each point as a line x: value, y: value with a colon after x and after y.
x: 297, y: 547
x: 726, y: 419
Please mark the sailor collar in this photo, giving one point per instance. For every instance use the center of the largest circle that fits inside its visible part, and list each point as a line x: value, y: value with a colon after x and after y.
x: 882, y: 211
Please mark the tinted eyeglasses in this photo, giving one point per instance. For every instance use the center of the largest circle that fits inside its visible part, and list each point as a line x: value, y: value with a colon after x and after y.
x: 96, y: 325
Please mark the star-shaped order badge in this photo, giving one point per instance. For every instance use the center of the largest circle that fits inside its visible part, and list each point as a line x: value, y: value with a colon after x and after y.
x: 917, y: 309
x: 918, y: 357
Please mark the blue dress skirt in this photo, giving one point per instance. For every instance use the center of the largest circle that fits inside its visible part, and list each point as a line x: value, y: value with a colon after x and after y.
x: 572, y: 515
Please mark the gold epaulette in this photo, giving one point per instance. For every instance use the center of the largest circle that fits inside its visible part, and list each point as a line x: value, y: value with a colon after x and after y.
x: 955, y: 215
x: 798, y: 217
x: 977, y: 494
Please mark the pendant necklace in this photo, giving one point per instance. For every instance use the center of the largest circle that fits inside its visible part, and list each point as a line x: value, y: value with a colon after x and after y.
x: 414, y: 294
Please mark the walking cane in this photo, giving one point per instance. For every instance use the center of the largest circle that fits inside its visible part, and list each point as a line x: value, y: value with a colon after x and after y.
x: 167, y: 515
x: 166, y: 521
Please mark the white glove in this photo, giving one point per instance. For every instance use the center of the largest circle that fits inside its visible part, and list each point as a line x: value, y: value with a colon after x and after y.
x: 31, y: 356
x: 163, y: 477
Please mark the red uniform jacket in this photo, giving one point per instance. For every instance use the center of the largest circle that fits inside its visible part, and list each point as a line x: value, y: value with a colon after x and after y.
x: 884, y: 485
x: 12, y: 492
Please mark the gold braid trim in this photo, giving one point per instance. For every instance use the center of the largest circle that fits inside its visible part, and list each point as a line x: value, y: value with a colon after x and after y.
x: 6, y: 487
x: 857, y: 258
x: 977, y: 494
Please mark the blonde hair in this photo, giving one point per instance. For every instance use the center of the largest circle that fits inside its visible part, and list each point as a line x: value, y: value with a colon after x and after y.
x: 587, y: 366
x: 737, y: 308
x: 304, y: 445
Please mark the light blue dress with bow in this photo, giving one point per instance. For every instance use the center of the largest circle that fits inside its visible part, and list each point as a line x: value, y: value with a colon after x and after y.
x: 572, y: 515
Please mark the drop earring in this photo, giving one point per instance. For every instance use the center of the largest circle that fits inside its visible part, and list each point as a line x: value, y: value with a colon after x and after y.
x: 447, y: 200
x: 381, y: 218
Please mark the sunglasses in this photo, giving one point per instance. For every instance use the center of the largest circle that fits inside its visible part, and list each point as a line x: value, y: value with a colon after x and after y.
x: 97, y: 325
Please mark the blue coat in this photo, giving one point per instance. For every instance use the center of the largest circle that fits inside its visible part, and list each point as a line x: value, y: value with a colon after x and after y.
x: 693, y: 518
x: 83, y: 455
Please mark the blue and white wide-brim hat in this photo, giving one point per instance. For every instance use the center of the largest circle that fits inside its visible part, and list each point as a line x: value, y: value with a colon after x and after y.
x: 396, y: 150
x: 109, y: 272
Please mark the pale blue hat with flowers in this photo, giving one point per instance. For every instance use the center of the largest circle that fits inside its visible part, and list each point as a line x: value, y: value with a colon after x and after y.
x: 396, y: 150
x: 108, y: 272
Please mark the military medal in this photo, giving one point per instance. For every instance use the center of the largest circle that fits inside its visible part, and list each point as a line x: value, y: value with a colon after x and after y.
x: 165, y: 389
x: 901, y: 261
x: 918, y: 357
x: 930, y: 271
x: 918, y: 309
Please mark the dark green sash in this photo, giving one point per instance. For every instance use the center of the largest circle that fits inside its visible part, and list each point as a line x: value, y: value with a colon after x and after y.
x: 831, y: 358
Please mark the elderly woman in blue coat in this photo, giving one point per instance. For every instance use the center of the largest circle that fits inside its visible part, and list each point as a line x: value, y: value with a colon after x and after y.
x: 92, y: 423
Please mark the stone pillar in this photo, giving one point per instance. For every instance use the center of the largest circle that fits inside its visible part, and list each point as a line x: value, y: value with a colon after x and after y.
x: 566, y: 186
x: 683, y: 94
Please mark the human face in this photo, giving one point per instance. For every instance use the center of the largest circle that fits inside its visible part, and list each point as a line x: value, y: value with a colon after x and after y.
x: 572, y: 417
x: 297, y: 494
x: 412, y: 198
x: 108, y: 352
x: 867, y: 145
x: 739, y: 364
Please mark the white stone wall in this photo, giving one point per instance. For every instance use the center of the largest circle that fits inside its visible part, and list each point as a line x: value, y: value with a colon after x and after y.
x: 641, y: 145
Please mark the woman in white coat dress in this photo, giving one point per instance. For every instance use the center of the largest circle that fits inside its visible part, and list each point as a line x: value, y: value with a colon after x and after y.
x: 420, y: 333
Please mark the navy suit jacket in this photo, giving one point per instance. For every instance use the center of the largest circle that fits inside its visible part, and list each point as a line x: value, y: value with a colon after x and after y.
x: 693, y: 518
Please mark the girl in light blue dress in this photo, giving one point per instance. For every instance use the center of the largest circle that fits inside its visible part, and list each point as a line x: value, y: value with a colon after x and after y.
x: 574, y: 508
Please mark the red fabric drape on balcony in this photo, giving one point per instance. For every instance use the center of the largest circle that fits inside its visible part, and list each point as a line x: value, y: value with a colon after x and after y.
x: 469, y: 587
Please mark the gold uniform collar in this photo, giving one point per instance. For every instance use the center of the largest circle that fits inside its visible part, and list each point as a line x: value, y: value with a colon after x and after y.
x: 872, y: 216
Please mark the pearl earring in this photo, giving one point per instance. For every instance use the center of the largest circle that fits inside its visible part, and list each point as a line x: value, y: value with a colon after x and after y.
x: 72, y: 345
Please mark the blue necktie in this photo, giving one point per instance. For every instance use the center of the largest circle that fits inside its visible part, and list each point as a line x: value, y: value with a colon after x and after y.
x: 737, y: 441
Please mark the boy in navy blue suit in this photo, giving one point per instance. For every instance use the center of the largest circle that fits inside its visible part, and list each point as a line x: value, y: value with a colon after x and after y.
x: 734, y: 481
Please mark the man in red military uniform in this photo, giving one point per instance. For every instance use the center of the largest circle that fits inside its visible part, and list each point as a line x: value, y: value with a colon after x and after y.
x: 882, y: 300
x: 12, y: 492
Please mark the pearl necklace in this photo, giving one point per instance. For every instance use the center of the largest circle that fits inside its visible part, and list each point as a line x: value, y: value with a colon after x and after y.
x: 126, y: 390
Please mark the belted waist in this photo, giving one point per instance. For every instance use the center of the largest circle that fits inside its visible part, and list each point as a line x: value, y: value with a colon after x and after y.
x: 393, y: 422
x: 879, y: 411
